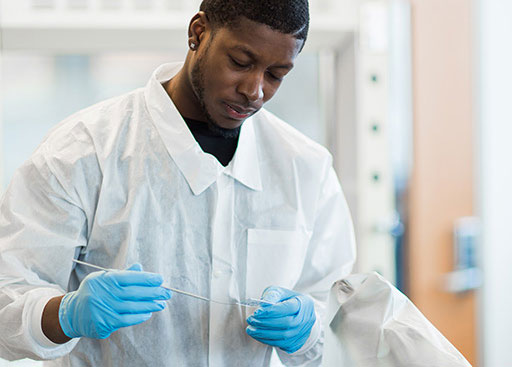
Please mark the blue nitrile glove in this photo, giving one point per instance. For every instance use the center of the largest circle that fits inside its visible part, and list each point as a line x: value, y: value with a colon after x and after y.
x: 107, y: 301
x: 285, y: 324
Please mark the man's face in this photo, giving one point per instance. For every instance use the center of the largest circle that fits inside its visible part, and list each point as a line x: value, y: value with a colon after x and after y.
x: 238, y: 70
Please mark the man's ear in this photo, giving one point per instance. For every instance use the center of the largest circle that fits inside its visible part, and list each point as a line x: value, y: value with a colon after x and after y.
x: 199, y: 25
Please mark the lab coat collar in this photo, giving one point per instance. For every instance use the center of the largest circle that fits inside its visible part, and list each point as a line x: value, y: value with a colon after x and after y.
x: 245, y: 166
x: 199, y: 168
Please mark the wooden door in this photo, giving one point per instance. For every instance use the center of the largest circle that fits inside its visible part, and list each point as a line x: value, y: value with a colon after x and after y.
x: 441, y: 188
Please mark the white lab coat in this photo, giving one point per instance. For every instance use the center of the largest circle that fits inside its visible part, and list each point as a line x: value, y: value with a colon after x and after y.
x: 124, y: 181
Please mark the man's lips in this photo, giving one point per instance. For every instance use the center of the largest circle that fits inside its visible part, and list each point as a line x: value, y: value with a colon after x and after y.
x: 237, y: 112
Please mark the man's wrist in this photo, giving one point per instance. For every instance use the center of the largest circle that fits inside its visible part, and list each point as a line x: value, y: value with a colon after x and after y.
x: 50, y: 322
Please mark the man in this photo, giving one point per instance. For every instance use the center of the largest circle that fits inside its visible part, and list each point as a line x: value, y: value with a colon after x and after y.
x: 192, y: 181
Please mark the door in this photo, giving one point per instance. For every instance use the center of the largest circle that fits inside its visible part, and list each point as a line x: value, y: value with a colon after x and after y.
x: 441, y: 187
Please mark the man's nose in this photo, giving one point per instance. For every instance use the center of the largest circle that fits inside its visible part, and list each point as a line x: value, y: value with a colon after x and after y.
x: 252, y: 86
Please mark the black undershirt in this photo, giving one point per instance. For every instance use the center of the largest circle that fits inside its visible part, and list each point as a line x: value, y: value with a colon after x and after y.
x: 223, y: 148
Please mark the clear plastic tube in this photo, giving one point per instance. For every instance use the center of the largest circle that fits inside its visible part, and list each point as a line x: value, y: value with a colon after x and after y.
x: 250, y: 302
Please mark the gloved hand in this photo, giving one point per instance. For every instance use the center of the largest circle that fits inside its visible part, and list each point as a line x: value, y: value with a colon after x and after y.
x: 107, y: 301
x: 285, y: 324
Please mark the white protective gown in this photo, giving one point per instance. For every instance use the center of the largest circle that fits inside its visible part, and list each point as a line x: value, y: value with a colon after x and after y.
x: 124, y: 181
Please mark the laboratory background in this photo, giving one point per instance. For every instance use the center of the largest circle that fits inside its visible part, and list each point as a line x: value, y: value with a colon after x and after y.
x: 412, y: 98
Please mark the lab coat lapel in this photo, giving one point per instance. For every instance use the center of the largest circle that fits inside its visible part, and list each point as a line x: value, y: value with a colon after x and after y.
x: 199, y: 169
x: 245, y: 166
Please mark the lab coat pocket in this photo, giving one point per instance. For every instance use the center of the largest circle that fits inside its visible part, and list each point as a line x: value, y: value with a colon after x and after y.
x: 274, y: 257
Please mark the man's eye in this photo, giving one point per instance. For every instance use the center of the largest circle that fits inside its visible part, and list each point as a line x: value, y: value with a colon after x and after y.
x: 236, y: 63
x: 272, y: 76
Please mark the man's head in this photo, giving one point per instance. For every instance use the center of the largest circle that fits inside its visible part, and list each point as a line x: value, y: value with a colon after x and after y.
x: 240, y: 52
x: 285, y: 16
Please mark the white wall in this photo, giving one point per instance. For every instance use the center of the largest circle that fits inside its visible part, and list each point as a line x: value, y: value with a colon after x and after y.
x: 494, y: 101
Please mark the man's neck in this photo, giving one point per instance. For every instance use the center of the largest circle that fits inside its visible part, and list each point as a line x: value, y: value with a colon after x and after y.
x: 179, y: 89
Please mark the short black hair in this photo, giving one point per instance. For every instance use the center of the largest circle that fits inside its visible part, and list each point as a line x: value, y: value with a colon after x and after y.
x: 285, y: 16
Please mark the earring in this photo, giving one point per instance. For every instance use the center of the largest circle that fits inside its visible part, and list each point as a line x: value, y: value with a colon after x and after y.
x: 192, y: 45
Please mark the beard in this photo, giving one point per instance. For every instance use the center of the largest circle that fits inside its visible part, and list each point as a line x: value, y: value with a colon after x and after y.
x: 198, y: 87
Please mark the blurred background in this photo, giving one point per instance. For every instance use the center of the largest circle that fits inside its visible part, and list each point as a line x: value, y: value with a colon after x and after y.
x: 411, y: 97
